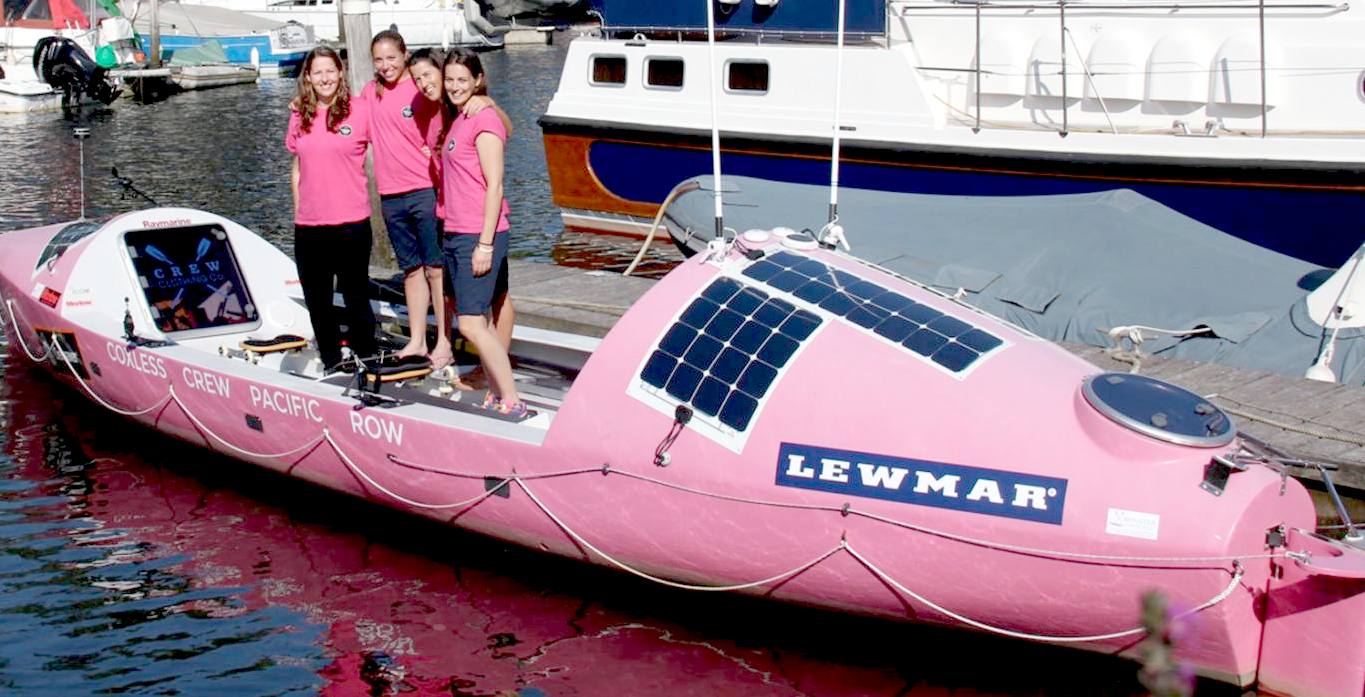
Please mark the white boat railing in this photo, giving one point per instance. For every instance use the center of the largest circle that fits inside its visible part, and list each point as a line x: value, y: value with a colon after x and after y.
x: 1061, y: 6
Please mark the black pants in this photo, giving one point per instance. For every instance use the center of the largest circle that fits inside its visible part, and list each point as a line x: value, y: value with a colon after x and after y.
x: 340, y: 254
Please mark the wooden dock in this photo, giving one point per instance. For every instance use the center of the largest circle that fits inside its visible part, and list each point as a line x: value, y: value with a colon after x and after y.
x: 1308, y: 419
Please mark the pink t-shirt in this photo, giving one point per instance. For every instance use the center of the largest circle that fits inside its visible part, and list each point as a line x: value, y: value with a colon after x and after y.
x: 402, y: 121
x: 332, y: 185
x: 462, y: 178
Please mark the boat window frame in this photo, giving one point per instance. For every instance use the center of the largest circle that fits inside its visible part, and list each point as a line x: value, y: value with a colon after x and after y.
x: 592, y: 70
x: 142, y: 301
x: 727, y: 73
x: 682, y: 77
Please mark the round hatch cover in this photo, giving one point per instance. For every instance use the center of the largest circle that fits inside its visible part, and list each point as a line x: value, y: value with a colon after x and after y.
x: 1159, y: 409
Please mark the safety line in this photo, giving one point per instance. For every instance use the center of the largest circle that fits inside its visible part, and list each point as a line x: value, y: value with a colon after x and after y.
x: 19, y: 335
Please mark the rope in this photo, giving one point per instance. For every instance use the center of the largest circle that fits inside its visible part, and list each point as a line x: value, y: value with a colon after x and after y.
x: 685, y: 187
x: 801, y: 568
x: 346, y: 460
x: 204, y: 429
x: 1031, y: 551
x: 171, y: 397
x: 673, y: 584
x: 19, y: 335
x: 1216, y: 599
x: 573, y: 304
x: 1134, y: 335
x: 1292, y: 428
x: 1118, y: 560
x: 101, y: 401
x: 474, y: 475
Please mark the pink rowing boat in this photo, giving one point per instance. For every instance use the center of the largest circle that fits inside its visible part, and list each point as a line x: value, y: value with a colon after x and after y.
x: 770, y: 418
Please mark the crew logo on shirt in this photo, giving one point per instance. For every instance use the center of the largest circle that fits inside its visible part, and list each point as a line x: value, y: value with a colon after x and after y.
x: 450, y: 145
x: 407, y: 112
x: 344, y: 130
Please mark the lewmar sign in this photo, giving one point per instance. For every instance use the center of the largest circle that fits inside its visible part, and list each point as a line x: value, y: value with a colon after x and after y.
x: 922, y: 482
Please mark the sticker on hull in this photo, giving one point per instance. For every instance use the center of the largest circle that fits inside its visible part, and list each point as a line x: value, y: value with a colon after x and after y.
x: 923, y: 482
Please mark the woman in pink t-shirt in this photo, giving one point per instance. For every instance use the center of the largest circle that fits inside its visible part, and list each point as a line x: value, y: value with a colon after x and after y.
x: 476, y: 222
x: 406, y: 128
x: 328, y: 134
x: 425, y: 67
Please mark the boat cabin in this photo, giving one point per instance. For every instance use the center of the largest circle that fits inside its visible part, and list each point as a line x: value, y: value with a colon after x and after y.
x: 54, y: 14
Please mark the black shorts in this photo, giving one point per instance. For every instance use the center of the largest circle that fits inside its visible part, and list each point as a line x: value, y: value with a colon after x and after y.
x: 474, y: 294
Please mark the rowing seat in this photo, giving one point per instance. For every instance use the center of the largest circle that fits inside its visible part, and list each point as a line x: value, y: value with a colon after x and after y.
x: 397, y: 368
x: 283, y: 342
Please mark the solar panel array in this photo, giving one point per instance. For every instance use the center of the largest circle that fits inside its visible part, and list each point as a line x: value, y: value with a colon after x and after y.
x: 943, y: 339
x: 726, y: 349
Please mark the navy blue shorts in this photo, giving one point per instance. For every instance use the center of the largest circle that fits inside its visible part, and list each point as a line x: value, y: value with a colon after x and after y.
x: 413, y: 229
x: 474, y: 294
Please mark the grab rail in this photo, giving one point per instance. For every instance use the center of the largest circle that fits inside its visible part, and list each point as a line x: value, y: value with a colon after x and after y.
x: 1260, y: 6
x: 1090, y: 78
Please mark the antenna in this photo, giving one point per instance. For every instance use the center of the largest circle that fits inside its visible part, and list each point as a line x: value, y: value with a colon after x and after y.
x: 838, y: 98
x: 715, y: 124
x: 82, y: 133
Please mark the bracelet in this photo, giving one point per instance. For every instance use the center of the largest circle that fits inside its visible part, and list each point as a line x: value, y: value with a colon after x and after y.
x: 485, y: 245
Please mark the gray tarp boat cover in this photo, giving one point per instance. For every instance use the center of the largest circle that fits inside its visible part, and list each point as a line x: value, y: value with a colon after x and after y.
x: 201, y: 20
x: 1067, y: 267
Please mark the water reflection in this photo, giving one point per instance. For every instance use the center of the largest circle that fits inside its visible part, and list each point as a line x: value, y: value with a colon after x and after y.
x: 90, y: 605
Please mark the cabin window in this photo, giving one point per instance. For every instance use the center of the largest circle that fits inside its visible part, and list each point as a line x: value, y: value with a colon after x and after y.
x: 69, y: 235
x: 664, y: 72
x: 190, y: 279
x: 608, y: 70
x: 747, y: 76
x: 38, y: 9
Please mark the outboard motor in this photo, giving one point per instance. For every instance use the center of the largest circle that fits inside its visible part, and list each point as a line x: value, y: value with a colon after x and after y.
x: 65, y: 66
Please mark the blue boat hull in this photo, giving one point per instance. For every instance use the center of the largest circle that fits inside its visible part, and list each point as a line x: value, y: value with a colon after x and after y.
x: 1309, y: 213
x: 237, y: 48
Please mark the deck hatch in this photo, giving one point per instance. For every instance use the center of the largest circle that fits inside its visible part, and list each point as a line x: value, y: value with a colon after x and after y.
x: 1158, y: 409
x: 944, y: 340
x: 726, y: 350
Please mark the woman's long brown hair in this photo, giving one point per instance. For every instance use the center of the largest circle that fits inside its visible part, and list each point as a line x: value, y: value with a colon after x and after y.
x: 306, y: 100
x: 470, y: 60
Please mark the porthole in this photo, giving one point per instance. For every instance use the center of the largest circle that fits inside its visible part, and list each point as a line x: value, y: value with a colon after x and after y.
x: 608, y: 70
x: 664, y: 73
x: 747, y: 76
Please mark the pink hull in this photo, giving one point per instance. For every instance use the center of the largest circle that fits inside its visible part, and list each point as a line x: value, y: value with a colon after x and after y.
x: 1129, y: 517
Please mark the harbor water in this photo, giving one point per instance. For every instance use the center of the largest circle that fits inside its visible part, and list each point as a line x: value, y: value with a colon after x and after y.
x: 133, y: 564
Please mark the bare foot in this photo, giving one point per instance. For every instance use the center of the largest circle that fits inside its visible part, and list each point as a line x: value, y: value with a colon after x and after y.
x: 441, y: 357
x: 412, y: 349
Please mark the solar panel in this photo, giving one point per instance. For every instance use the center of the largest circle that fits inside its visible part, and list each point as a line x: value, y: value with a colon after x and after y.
x: 945, y: 340
x: 728, y: 347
